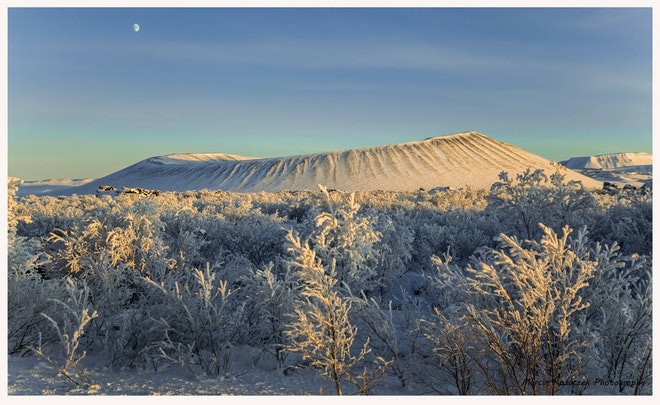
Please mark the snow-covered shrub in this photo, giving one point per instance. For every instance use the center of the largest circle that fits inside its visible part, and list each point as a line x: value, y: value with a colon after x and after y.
x: 321, y: 330
x: 534, y: 197
x: 135, y: 244
x: 69, y: 318
x: 227, y: 205
x: 28, y: 294
x: 468, y: 231
x: 292, y: 205
x: 523, y: 310
x: 466, y: 198
x: 254, y: 236
x: 115, y: 292
x: 185, y: 235
x: 47, y: 214
x: 629, y: 223
x: 394, y: 249
x: 198, y: 320
x: 448, y: 361
x: 444, y: 348
x: 269, y: 301
x: 431, y: 237
x: 347, y: 239
x: 129, y: 338
x: 619, y: 320
x: 382, y: 333
x: 14, y: 214
x: 625, y: 331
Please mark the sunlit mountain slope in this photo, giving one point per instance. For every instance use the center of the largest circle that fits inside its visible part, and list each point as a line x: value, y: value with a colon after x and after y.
x: 457, y: 160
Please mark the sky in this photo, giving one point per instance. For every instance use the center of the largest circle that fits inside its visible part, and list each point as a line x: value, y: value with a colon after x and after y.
x: 88, y: 95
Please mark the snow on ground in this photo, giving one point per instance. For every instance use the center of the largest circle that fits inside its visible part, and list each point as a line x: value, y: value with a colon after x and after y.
x: 29, y: 377
x: 48, y: 186
x: 635, y: 176
x: 458, y: 160
x: 455, y: 160
x: 32, y: 376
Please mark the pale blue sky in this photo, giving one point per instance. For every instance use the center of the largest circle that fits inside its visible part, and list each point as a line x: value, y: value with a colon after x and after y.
x: 88, y: 95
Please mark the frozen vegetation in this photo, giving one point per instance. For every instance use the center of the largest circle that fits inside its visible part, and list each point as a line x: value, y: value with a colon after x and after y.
x: 534, y: 286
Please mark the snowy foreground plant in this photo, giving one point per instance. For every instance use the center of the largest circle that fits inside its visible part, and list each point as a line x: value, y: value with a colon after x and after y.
x: 322, y: 332
x: 347, y: 239
x: 70, y: 328
x: 534, y: 197
x: 336, y: 282
x: 197, y: 323
x: 521, y: 310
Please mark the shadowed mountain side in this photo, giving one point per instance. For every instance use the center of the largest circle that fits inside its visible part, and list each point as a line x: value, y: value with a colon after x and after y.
x: 458, y: 160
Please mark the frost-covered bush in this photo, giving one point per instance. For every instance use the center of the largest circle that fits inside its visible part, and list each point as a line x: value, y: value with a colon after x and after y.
x: 47, y: 214
x: 541, y: 317
x: 255, y: 236
x: 115, y: 292
x: 629, y: 223
x: 321, y: 331
x: 523, y: 306
x: 625, y: 345
x: 394, y: 248
x: 29, y: 294
x: 534, y: 197
x: 431, y: 237
x: 445, y: 362
x: 466, y: 198
x: 382, y: 334
x: 129, y: 339
x: 348, y: 239
x: 618, y: 324
x: 383, y: 244
x: 135, y: 244
x: 185, y: 235
x: 268, y: 304
x: 69, y: 318
x: 467, y: 232
x: 197, y: 318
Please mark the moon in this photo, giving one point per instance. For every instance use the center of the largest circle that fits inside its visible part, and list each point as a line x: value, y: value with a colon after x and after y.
x: 136, y: 27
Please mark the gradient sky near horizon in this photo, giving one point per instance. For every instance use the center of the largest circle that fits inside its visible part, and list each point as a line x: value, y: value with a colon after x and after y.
x: 87, y: 95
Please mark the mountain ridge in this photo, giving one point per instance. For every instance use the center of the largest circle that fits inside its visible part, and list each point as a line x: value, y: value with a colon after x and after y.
x: 609, y: 161
x: 455, y: 160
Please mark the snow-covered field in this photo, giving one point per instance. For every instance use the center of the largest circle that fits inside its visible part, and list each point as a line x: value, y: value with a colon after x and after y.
x: 47, y: 186
x: 400, y: 238
x: 30, y: 376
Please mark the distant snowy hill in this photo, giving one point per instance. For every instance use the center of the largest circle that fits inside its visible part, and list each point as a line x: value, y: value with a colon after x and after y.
x: 457, y: 160
x: 48, y: 186
x: 610, y: 161
x: 633, y: 168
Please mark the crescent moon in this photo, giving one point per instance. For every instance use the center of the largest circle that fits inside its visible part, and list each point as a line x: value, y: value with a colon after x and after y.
x: 136, y: 27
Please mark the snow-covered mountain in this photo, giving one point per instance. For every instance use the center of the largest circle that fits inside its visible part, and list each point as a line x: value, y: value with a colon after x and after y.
x: 610, y: 161
x: 457, y: 160
x: 628, y: 168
